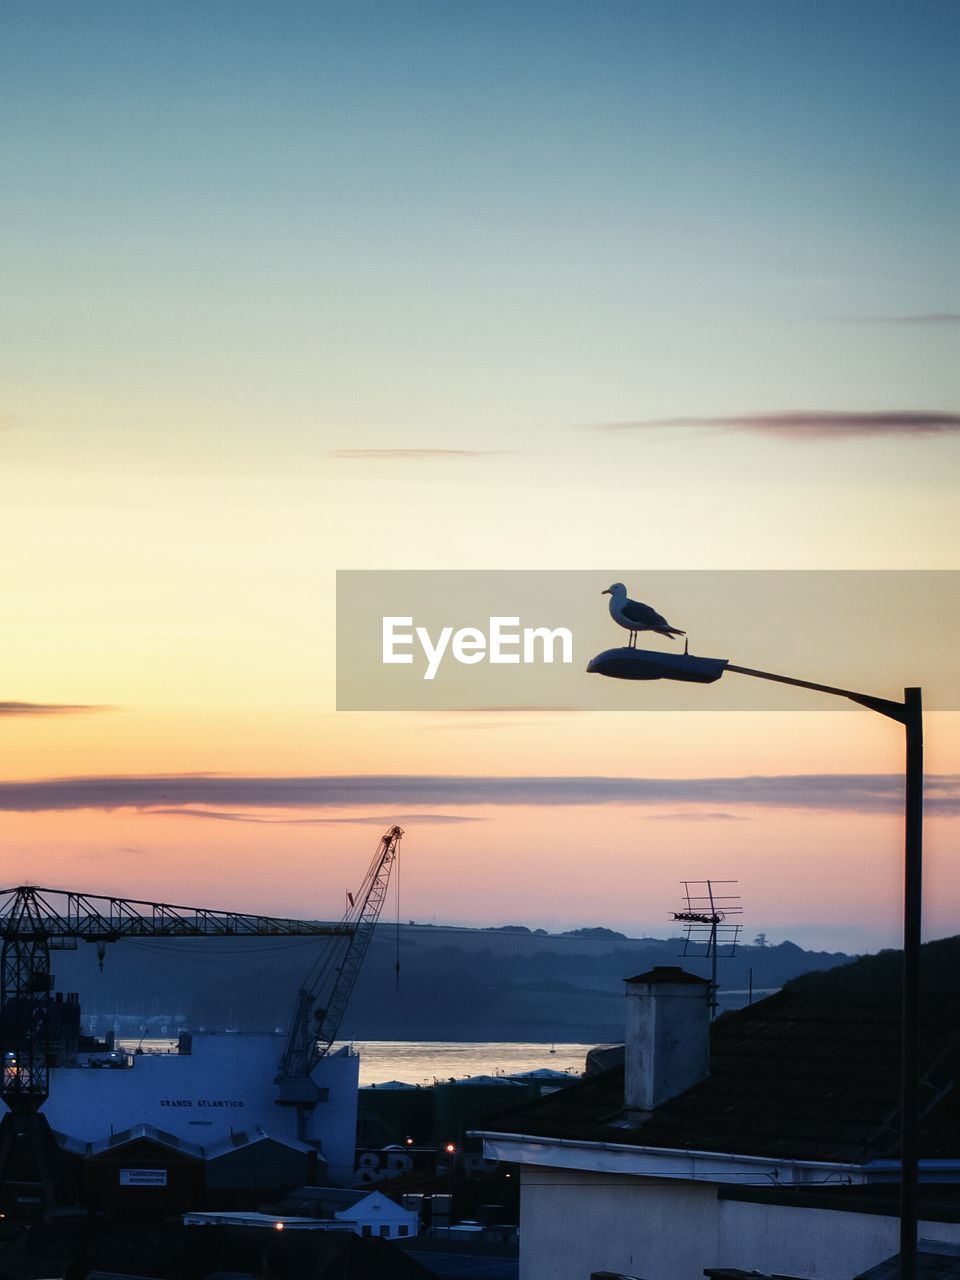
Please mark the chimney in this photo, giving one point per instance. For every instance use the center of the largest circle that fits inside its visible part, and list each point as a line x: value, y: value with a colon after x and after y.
x: 667, y: 1038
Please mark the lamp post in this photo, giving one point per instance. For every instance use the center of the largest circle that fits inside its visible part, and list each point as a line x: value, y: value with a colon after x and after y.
x: 641, y: 664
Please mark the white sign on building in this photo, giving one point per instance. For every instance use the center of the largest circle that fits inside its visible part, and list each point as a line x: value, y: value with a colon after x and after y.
x: 143, y: 1177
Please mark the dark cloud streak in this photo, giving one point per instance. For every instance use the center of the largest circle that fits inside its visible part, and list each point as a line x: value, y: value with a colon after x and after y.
x: 224, y: 815
x: 806, y: 424
x: 932, y: 318
x: 410, y: 455
x: 49, y: 708
x: 861, y: 793
x: 703, y: 815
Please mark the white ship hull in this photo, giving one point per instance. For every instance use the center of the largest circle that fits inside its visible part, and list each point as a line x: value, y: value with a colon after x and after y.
x: 223, y: 1087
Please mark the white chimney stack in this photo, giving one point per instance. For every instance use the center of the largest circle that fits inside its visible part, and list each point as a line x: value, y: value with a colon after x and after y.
x: 667, y: 1037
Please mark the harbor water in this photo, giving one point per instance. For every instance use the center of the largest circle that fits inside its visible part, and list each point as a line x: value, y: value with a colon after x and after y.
x: 435, y: 1061
x: 426, y: 1062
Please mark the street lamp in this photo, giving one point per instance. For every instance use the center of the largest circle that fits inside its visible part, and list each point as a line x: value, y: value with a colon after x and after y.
x: 644, y: 664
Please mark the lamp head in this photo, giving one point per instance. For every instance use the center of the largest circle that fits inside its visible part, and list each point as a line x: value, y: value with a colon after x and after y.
x: 652, y: 664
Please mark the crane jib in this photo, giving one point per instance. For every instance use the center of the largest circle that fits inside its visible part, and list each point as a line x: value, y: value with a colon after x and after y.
x: 35, y: 921
x: 324, y: 997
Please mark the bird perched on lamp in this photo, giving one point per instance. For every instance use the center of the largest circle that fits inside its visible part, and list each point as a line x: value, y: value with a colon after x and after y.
x: 634, y: 616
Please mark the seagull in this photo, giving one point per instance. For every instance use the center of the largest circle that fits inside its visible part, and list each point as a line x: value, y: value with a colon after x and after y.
x: 634, y: 616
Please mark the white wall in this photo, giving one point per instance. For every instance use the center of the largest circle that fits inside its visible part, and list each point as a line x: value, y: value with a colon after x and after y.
x: 573, y: 1223
x: 334, y: 1122
x: 226, y: 1083
x: 382, y: 1215
x: 816, y: 1243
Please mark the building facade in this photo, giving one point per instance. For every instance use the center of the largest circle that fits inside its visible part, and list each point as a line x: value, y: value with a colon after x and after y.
x: 764, y: 1142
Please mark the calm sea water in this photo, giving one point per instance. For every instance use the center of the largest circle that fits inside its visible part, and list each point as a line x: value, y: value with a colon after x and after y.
x: 432, y: 1061
x: 435, y: 1061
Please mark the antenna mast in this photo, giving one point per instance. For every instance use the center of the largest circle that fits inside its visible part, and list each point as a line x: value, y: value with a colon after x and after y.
x: 707, y: 906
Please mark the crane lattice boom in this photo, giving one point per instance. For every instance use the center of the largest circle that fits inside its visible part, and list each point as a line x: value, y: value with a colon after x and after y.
x: 35, y: 921
x: 60, y: 915
x: 315, y: 1025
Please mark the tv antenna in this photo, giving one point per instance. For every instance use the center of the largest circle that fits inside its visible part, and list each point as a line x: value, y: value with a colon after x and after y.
x: 708, y: 931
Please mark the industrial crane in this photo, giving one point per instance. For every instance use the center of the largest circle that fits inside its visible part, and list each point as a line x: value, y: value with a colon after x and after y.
x: 35, y: 921
x: 326, y: 991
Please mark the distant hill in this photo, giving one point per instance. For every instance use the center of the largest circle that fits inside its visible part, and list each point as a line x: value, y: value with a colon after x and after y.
x: 939, y: 971
x: 598, y: 934
x: 455, y: 984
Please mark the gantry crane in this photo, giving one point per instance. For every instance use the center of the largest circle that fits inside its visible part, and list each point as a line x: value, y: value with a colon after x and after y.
x: 35, y: 921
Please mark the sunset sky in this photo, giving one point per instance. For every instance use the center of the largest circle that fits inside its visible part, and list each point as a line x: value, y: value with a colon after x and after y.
x: 292, y: 288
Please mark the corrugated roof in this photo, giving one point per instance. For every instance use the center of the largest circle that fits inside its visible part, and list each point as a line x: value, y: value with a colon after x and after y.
x: 238, y: 1138
x: 145, y: 1133
x: 801, y: 1075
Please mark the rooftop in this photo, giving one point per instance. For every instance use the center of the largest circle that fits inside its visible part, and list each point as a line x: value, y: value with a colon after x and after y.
x: 801, y: 1075
x: 935, y: 1261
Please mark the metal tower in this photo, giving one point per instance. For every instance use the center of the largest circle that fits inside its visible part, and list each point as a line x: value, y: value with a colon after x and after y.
x: 705, y: 917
